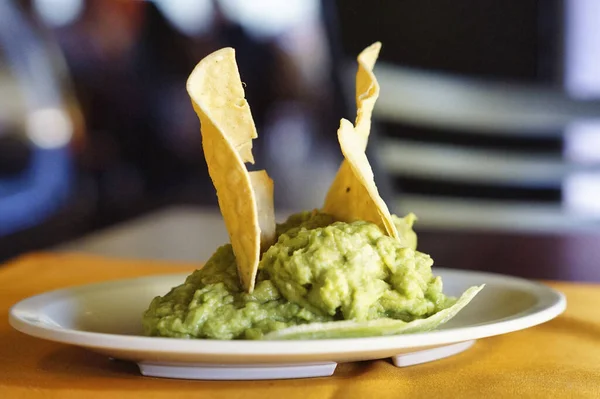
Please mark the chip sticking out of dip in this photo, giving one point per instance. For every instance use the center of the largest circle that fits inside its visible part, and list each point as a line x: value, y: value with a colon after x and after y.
x: 245, y: 199
x: 353, y: 194
x: 360, y: 189
x: 367, y: 90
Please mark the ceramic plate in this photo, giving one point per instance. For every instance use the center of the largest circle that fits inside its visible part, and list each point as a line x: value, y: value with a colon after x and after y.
x: 106, y: 318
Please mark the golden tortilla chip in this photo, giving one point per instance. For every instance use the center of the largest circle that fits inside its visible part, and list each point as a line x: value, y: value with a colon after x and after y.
x: 367, y: 90
x: 227, y: 127
x: 353, y: 194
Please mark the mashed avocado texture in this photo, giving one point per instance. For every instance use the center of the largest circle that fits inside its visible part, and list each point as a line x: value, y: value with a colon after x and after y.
x: 319, y: 270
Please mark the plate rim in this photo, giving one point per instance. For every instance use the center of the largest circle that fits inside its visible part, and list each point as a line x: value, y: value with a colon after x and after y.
x: 553, y: 303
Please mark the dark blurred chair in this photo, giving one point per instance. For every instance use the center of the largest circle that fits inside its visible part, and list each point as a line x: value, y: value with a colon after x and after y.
x: 38, y: 123
x: 42, y: 197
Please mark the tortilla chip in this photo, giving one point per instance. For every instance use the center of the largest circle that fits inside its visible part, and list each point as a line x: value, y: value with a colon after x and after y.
x: 262, y: 186
x: 367, y: 90
x: 227, y: 127
x: 353, y: 194
x: 372, y: 328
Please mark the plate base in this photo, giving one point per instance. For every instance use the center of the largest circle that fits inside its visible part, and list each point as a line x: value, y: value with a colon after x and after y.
x: 204, y: 371
x: 237, y: 371
x: 429, y: 355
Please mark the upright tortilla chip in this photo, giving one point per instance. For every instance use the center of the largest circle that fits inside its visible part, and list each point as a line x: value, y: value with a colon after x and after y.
x: 367, y: 90
x: 353, y: 194
x: 245, y: 199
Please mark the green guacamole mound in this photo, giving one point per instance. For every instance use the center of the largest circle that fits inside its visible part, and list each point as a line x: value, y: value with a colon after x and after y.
x: 319, y: 270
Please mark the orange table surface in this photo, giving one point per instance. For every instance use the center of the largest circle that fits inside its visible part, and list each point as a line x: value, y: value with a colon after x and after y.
x: 560, y: 358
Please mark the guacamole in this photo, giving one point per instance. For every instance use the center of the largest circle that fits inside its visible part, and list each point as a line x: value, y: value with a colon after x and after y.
x: 319, y: 270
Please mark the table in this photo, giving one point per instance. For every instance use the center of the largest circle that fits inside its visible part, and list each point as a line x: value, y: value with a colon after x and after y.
x: 556, y: 359
x: 192, y: 234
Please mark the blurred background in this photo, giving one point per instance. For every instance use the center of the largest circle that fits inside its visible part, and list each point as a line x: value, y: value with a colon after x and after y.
x: 488, y: 118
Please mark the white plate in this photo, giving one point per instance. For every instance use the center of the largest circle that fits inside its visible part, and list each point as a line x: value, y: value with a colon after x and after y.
x: 106, y: 318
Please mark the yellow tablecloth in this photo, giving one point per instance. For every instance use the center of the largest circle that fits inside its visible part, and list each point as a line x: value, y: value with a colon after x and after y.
x: 558, y: 359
